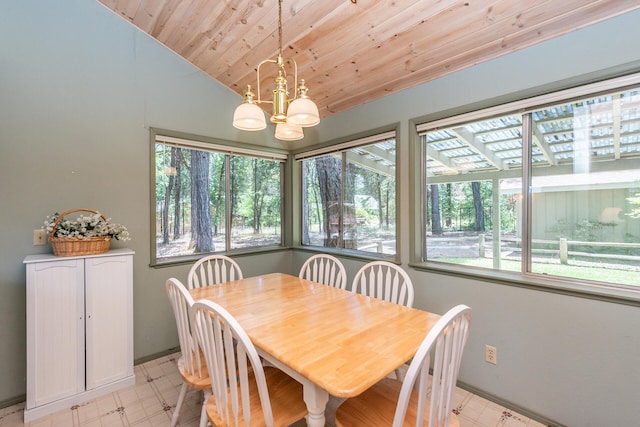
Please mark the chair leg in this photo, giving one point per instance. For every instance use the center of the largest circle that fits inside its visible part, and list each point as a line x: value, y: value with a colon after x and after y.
x: 176, y: 412
x: 399, y: 375
x: 203, y: 416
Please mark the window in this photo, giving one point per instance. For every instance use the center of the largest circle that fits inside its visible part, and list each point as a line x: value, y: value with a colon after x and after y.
x: 214, y: 198
x: 577, y: 216
x: 349, y: 195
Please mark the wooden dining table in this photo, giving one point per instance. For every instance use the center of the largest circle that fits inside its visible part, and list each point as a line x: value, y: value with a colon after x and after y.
x: 333, y: 341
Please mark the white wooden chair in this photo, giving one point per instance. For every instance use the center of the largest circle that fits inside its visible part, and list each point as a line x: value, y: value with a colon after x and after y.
x: 325, y: 269
x: 191, y: 365
x: 385, y: 281
x: 430, y: 403
x: 243, y: 391
x: 213, y: 270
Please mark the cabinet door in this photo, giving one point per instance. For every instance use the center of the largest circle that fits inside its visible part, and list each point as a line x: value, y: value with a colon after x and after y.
x: 55, y: 330
x: 109, y: 310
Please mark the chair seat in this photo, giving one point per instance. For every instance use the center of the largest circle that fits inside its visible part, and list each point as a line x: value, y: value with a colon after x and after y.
x: 196, y: 382
x: 377, y: 406
x: 281, y: 388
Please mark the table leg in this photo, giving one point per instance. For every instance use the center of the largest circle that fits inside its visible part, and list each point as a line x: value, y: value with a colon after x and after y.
x: 316, y: 399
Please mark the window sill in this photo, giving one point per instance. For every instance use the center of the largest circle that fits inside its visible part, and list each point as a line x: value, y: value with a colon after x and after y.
x: 619, y: 294
x: 190, y: 259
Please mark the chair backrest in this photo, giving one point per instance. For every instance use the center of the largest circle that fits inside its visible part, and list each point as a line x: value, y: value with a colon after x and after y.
x: 443, y: 345
x: 181, y: 302
x: 227, y: 349
x: 325, y: 269
x: 385, y: 281
x: 213, y: 270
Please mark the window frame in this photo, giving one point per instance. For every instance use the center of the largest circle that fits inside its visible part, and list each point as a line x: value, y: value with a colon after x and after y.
x: 524, y: 278
x: 219, y: 146
x: 343, y: 146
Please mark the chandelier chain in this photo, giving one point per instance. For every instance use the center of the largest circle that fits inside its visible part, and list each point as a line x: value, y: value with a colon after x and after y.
x: 280, y: 27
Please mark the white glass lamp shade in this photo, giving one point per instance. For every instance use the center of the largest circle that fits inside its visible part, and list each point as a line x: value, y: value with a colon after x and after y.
x: 288, y: 132
x: 249, y: 116
x: 303, y: 112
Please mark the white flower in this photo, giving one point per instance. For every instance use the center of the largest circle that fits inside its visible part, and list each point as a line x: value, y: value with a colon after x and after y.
x: 85, y: 227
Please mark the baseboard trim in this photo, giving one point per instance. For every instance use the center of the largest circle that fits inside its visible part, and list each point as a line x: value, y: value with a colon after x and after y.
x: 153, y: 356
x: 510, y: 405
x: 13, y: 401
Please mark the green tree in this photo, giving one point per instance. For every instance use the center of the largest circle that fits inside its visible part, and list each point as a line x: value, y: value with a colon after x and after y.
x: 477, y: 206
x: 329, y: 172
x: 635, y: 202
x: 436, y: 223
x: 218, y: 166
x: 201, y: 234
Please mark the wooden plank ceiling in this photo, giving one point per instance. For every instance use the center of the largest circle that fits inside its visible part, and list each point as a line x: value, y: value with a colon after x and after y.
x: 351, y: 52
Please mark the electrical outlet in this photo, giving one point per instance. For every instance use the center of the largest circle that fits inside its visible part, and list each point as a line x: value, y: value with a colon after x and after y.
x: 490, y: 354
x: 39, y: 237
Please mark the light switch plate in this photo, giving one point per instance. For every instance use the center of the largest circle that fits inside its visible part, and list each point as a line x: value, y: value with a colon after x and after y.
x: 39, y: 237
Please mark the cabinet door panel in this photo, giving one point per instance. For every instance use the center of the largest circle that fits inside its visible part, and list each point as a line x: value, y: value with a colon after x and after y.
x: 109, y: 312
x: 55, y: 330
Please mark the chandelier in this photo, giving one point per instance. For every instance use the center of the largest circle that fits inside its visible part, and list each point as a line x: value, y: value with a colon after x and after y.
x: 290, y: 115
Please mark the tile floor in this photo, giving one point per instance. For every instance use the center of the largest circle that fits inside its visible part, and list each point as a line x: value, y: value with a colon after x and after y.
x: 151, y: 401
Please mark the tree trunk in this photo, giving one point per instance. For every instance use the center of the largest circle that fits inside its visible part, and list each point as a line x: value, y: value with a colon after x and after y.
x: 379, y: 198
x: 258, y: 197
x: 448, y: 213
x: 436, y: 224
x: 329, y: 170
x: 477, y: 206
x: 386, y: 204
x: 167, y: 197
x: 217, y: 208
x: 306, y: 220
x: 200, y: 200
x: 234, y: 193
x: 178, y: 193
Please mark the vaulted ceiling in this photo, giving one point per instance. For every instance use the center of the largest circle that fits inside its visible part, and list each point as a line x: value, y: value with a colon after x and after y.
x: 351, y: 52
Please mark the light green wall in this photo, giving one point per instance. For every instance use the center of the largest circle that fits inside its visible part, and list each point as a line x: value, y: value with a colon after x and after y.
x: 79, y: 89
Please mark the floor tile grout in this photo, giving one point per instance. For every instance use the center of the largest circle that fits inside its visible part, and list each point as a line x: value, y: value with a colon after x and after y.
x: 151, y: 402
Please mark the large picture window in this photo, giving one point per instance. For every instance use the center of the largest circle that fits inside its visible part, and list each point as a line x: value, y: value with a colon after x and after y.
x: 349, y: 196
x: 214, y: 198
x: 577, y: 216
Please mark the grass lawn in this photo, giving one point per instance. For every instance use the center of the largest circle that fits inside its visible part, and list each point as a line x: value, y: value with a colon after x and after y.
x: 623, y: 275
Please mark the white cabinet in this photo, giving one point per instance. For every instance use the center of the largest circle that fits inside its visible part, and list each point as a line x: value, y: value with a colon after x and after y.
x: 79, y: 328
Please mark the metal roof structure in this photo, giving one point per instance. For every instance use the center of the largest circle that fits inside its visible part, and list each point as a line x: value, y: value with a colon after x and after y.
x: 601, y: 129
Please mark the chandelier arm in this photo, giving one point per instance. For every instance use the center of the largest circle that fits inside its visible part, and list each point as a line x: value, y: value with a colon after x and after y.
x: 295, y: 78
x: 259, y: 100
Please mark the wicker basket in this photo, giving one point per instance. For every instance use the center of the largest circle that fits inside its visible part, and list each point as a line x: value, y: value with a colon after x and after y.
x: 65, y: 246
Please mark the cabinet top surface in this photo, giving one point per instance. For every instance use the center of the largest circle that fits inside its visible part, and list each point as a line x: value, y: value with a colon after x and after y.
x: 51, y: 257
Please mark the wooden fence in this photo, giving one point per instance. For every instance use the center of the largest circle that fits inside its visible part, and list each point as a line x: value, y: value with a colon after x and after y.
x: 563, y: 246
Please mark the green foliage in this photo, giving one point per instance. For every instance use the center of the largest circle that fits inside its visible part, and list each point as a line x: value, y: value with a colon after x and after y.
x: 362, y: 215
x: 253, y: 189
x: 457, y: 209
x: 584, y: 230
x: 635, y: 211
